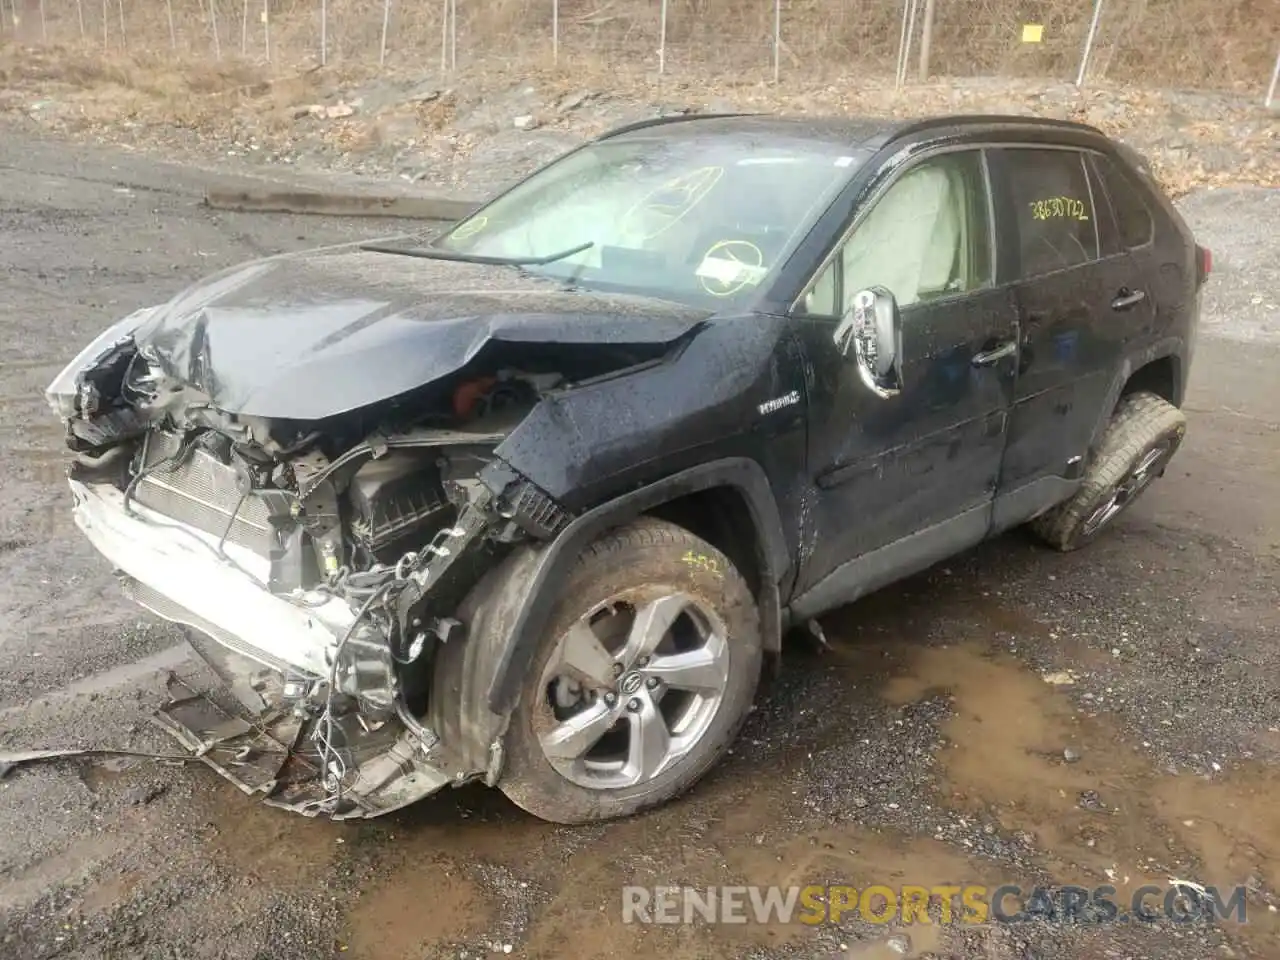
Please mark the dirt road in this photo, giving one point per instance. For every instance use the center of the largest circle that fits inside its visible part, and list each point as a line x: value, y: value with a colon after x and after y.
x: 926, y: 746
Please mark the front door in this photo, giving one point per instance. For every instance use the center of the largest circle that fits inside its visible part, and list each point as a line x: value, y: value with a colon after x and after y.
x: 906, y: 479
x: 1081, y: 298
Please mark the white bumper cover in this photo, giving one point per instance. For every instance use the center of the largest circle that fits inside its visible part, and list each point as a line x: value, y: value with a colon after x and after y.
x: 181, y: 564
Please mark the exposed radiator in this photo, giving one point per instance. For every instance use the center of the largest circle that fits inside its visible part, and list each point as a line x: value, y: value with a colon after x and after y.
x: 201, y: 492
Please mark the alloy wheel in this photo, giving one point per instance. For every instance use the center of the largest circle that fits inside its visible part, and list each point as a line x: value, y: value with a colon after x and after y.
x: 631, y: 687
x: 1148, y: 467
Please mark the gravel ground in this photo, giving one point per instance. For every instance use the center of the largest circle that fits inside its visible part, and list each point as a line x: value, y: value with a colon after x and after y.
x: 925, y: 745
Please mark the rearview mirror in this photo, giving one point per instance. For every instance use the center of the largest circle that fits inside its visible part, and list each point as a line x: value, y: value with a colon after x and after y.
x: 870, y: 335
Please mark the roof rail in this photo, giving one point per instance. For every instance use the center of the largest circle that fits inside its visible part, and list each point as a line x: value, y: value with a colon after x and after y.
x: 930, y: 123
x: 669, y: 118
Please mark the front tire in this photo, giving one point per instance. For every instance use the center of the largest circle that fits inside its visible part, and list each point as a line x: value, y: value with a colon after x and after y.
x: 1142, y: 437
x: 642, y: 680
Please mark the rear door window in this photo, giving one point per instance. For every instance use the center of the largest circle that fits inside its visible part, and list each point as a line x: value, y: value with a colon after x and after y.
x: 1134, y: 219
x: 1053, y: 209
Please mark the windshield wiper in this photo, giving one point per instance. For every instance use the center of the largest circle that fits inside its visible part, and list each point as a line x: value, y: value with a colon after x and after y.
x: 432, y: 253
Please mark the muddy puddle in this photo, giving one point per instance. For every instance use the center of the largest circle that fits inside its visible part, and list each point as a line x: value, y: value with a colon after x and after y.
x: 1094, y: 809
x: 466, y: 871
x: 1016, y: 751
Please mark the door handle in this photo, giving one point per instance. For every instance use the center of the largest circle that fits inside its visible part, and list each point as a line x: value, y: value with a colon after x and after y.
x: 988, y: 358
x: 1127, y: 298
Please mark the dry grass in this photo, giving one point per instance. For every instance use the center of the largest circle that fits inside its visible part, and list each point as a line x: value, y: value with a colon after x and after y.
x: 1189, y: 43
x: 837, y: 57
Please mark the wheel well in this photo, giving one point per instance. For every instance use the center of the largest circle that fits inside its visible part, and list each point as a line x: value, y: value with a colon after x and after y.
x: 720, y: 516
x: 1159, y: 377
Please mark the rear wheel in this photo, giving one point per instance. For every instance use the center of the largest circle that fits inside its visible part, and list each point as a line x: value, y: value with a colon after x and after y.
x: 643, y: 678
x: 1141, y: 439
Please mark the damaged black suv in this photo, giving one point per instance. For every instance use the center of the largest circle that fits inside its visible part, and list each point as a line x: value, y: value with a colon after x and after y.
x: 530, y: 502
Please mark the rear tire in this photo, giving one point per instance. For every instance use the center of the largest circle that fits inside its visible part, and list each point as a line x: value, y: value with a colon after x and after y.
x: 1144, y: 433
x: 597, y: 681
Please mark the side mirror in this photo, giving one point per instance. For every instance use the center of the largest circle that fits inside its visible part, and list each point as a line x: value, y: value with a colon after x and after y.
x: 870, y: 335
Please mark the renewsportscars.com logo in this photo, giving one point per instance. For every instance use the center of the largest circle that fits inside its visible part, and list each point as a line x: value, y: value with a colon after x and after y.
x: 1178, y: 901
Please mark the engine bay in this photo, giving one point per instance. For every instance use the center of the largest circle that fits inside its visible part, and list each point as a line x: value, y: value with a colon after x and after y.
x: 329, y: 561
x: 394, y: 512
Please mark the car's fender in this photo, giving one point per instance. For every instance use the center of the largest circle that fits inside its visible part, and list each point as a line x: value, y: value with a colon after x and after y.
x: 1130, y: 363
x: 477, y: 681
x: 740, y: 473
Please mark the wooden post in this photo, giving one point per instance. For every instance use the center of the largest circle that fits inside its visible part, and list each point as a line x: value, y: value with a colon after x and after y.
x: 1088, y: 43
x: 1275, y: 79
x: 926, y: 41
x: 386, y: 22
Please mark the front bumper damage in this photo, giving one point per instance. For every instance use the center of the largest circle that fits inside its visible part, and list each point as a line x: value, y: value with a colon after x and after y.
x: 273, y: 653
x: 268, y: 754
x: 184, y: 579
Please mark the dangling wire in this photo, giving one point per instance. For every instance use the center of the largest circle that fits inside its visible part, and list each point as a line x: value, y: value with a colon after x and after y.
x: 331, y: 761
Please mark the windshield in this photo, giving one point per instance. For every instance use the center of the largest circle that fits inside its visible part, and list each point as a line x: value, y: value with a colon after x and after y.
x: 694, y: 219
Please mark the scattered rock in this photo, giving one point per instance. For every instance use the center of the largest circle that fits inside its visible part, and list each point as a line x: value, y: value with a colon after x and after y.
x: 525, y: 122
x: 1070, y: 756
x: 144, y: 794
x: 899, y: 943
x: 574, y: 100
x: 334, y: 111
x: 423, y: 93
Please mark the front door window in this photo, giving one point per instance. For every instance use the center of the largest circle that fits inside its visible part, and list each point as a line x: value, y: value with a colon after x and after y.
x: 925, y: 238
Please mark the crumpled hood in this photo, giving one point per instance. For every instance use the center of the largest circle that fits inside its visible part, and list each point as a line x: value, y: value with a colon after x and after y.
x: 307, y: 336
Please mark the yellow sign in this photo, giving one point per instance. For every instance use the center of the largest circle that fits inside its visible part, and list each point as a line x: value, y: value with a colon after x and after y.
x: 1032, y: 32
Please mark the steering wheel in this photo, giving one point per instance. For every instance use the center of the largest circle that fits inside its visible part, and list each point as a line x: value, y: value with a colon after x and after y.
x: 729, y: 267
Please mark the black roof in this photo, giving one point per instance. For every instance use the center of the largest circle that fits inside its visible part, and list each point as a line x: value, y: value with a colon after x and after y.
x: 865, y: 132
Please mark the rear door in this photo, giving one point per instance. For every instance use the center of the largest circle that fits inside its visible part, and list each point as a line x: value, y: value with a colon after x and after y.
x: 1080, y: 298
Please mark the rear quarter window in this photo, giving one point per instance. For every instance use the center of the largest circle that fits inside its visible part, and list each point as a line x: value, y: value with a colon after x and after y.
x: 1133, y: 217
x: 1053, y: 209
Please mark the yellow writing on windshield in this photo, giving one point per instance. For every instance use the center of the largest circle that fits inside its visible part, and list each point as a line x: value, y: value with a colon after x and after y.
x: 470, y: 228
x: 730, y: 266
x: 668, y: 204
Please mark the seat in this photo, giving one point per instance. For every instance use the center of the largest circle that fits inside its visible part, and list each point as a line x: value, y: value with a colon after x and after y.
x: 911, y: 240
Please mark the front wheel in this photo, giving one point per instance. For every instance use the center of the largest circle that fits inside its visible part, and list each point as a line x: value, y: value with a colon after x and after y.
x: 645, y: 674
x: 1142, y: 437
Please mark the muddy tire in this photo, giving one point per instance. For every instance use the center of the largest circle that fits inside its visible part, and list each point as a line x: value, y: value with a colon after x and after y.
x: 642, y: 680
x: 1142, y: 437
